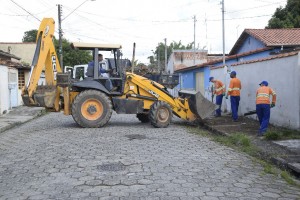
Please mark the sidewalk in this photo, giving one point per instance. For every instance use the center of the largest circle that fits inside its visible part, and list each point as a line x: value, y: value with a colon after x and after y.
x: 285, y: 153
x: 19, y: 115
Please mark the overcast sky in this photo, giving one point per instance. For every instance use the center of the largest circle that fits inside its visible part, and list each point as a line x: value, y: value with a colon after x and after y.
x: 144, y: 22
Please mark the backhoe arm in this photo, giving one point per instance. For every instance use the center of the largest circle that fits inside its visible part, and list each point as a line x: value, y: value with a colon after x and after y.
x: 45, y: 58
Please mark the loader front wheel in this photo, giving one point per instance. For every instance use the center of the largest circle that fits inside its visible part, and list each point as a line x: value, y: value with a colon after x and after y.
x: 160, y: 114
x: 143, y: 117
x: 91, y: 109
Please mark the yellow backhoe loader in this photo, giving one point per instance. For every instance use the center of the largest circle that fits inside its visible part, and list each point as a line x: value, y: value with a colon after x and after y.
x: 91, y: 101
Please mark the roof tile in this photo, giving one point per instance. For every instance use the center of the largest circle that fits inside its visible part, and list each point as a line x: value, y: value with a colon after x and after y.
x: 276, y: 37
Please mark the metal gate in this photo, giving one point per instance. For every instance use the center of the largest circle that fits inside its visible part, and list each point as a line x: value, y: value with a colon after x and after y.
x: 13, y: 87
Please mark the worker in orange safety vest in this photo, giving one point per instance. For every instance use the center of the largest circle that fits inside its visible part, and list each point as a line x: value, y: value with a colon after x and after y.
x: 263, y: 105
x: 219, y: 91
x: 234, y: 89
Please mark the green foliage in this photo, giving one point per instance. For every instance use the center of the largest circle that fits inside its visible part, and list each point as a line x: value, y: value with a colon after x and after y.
x: 71, y: 56
x: 288, y: 17
x: 282, y: 134
x: 287, y: 177
x: 30, y: 36
x: 238, y: 141
x: 271, y: 135
x: 268, y: 168
x: 159, y: 53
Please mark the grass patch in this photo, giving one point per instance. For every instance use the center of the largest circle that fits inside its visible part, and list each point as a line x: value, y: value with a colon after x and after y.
x: 283, y: 134
x: 238, y: 141
x: 287, y: 177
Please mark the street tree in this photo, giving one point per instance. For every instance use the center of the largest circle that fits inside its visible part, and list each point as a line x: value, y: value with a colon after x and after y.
x: 30, y: 36
x: 71, y: 56
x: 288, y: 17
x: 158, y: 58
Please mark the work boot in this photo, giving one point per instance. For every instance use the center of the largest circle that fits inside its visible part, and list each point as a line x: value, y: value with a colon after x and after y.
x: 260, y: 134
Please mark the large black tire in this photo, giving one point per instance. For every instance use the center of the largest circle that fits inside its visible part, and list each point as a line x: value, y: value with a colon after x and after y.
x: 160, y: 114
x: 143, y: 117
x: 91, y: 109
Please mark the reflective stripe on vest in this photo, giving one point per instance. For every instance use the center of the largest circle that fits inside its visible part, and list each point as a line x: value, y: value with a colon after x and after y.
x: 233, y: 89
x: 220, y: 88
x: 263, y: 95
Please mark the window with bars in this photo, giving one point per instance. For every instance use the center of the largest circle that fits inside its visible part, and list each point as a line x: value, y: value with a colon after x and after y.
x: 21, y: 79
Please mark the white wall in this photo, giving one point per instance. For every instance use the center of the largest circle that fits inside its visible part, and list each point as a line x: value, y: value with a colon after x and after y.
x: 4, y: 92
x: 282, y: 75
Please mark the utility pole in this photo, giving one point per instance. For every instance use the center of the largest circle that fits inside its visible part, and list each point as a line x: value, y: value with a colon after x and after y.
x: 60, y: 38
x: 60, y: 30
x: 194, y: 38
x: 158, y: 60
x: 133, y: 58
x: 223, y: 34
x: 166, y: 59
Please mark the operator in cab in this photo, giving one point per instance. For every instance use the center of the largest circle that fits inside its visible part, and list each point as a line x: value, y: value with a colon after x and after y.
x: 103, y: 72
x: 90, y: 69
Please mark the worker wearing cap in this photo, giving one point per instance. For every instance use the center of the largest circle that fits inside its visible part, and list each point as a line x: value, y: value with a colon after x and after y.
x: 263, y: 105
x: 219, y: 91
x: 234, y: 89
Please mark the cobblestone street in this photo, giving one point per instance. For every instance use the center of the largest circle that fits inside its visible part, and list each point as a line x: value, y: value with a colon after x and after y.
x: 52, y: 158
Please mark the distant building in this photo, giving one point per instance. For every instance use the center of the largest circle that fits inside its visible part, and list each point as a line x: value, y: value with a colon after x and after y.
x: 23, y: 50
x: 180, y: 59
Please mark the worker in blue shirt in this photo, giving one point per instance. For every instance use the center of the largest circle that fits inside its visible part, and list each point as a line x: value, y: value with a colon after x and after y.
x: 90, y: 69
x: 90, y: 72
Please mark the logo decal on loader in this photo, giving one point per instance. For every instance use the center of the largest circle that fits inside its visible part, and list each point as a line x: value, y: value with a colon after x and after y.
x: 46, y: 31
x: 53, y: 59
x: 153, y: 93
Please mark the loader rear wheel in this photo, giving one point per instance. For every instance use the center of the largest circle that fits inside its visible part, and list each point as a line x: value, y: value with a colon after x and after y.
x: 91, y: 109
x: 160, y: 114
x: 143, y: 117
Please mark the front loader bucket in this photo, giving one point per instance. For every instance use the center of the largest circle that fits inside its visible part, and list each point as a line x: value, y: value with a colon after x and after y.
x: 198, y: 104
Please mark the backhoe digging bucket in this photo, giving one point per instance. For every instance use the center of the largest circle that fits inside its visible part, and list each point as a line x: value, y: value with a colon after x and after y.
x: 198, y: 104
x: 44, y: 96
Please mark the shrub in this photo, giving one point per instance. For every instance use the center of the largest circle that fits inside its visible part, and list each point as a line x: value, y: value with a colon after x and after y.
x: 272, y: 135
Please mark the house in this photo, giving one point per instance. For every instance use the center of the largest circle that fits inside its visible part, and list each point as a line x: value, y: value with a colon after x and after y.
x: 180, y: 60
x: 14, y: 76
x: 24, y: 50
x: 258, y: 54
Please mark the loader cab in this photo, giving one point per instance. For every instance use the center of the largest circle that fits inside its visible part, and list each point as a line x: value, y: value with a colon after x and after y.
x: 109, y: 83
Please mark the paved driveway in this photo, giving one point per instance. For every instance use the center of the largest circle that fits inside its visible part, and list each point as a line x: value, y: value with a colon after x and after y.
x: 52, y: 158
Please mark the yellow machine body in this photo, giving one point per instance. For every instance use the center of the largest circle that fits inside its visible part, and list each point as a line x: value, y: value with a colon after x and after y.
x: 91, y: 103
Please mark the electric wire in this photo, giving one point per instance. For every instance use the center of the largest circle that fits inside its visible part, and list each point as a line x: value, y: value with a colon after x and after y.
x: 25, y: 10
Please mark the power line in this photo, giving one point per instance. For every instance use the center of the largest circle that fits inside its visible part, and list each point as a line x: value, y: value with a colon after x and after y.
x: 240, y: 18
x: 23, y: 15
x: 253, y: 7
x: 26, y: 10
x: 138, y: 20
